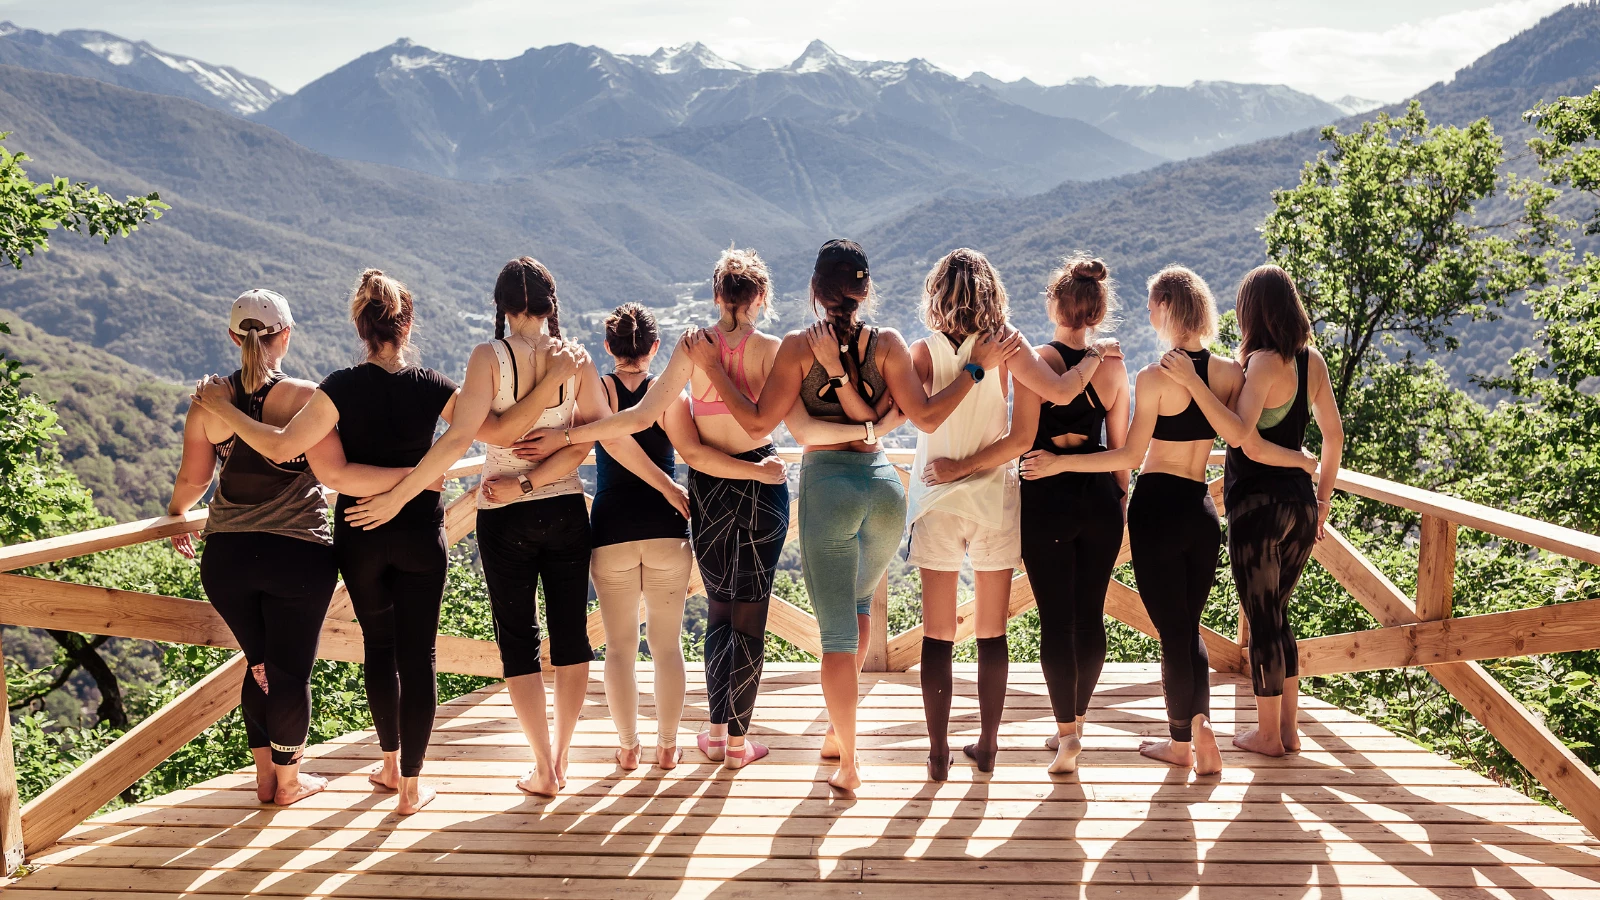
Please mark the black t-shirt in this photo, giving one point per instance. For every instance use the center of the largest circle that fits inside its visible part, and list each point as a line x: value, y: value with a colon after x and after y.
x: 387, y: 419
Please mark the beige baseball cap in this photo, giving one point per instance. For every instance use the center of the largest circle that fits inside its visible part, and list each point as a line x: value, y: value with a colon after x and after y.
x: 267, y: 307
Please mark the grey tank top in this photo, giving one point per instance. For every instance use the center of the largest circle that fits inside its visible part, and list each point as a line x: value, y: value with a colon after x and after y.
x: 255, y: 494
x: 820, y: 398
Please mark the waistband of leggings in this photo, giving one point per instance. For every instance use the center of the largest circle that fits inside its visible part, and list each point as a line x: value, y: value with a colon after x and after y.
x: 1168, y: 483
x: 756, y: 455
x: 844, y: 458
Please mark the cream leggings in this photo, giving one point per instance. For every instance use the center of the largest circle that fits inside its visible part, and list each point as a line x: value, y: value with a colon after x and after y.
x: 656, y: 574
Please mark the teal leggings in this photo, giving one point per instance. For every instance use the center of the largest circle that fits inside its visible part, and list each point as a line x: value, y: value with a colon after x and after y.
x: 852, y: 513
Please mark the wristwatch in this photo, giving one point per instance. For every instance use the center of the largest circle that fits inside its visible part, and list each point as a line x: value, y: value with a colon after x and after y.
x: 527, y: 486
x: 872, y: 433
x: 839, y: 382
x: 975, y: 370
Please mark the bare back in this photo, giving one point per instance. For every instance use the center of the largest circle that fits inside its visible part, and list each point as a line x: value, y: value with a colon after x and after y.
x: 723, y: 431
x: 1188, y: 459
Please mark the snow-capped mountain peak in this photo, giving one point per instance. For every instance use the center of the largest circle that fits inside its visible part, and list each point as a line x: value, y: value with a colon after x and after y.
x: 819, y: 57
x: 1352, y: 105
x: 687, y: 57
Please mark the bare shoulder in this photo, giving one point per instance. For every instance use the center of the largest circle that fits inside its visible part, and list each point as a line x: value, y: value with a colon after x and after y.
x: 1051, y: 357
x: 1266, y: 363
x: 1224, y: 371
x: 891, y: 338
x: 1111, y: 376
x: 1319, y: 363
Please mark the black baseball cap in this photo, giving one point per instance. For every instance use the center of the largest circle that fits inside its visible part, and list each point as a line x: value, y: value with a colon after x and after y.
x: 841, y: 253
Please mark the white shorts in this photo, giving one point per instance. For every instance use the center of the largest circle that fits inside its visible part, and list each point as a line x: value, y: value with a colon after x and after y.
x: 940, y: 539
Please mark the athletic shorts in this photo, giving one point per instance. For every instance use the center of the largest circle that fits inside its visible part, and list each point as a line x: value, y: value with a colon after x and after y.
x: 940, y: 539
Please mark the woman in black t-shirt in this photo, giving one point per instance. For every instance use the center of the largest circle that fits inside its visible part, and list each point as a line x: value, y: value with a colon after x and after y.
x: 394, y: 567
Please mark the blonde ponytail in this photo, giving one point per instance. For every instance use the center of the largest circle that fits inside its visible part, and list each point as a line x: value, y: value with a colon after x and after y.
x: 254, y: 369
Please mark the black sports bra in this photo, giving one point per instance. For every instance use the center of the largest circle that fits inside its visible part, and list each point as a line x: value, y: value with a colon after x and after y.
x: 1085, y: 415
x: 1191, y: 424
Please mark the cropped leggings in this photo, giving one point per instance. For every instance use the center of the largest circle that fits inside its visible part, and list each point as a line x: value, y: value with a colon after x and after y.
x: 738, y: 529
x: 1268, y: 544
x: 524, y: 545
x: 273, y: 592
x: 1175, y: 538
x: 654, y: 573
x: 396, y: 578
x: 1071, y: 532
x: 852, y: 513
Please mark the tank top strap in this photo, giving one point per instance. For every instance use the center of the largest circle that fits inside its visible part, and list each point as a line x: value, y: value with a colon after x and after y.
x: 506, y: 388
x: 1071, y: 356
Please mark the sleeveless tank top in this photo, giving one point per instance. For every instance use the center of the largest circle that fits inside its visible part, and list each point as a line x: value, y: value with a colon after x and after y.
x: 819, y: 396
x: 626, y: 508
x: 500, y: 461
x: 256, y: 494
x: 1085, y: 415
x: 1191, y: 424
x: 1247, y: 484
x: 985, y: 497
x: 732, y: 359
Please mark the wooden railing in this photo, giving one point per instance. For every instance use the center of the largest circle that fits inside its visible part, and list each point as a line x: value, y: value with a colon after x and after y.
x: 1419, y: 632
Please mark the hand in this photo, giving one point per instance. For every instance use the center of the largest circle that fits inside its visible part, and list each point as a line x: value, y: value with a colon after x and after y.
x: 995, y: 349
x: 825, y: 347
x: 501, y: 489
x: 678, y: 496
x: 1309, y: 461
x: 184, y: 544
x: 212, y: 392
x: 773, y: 470
x: 565, y: 358
x: 1180, y: 368
x: 1110, y: 348
x: 1038, y: 464
x: 702, y: 349
x: 539, y: 443
x: 943, y: 471
x: 1323, y: 508
x: 374, y: 511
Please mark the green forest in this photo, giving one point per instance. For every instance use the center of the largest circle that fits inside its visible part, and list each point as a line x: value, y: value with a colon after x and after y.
x: 1389, y: 234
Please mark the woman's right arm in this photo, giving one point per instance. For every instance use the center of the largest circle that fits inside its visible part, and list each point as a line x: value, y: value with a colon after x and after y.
x: 195, y: 471
x: 504, y: 429
x: 1020, y: 432
x: 338, y: 474
x: 1028, y: 368
x: 759, y: 417
x: 308, y: 427
x: 685, y: 437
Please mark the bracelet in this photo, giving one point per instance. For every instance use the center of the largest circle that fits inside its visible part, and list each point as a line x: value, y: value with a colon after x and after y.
x: 872, y: 434
x: 1093, y: 351
x: 567, y: 433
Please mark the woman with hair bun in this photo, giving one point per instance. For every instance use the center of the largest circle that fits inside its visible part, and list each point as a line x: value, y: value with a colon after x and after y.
x: 1275, y: 513
x: 390, y: 547
x: 1071, y: 521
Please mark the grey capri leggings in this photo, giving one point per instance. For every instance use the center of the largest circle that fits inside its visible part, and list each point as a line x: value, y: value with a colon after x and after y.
x: 852, y: 513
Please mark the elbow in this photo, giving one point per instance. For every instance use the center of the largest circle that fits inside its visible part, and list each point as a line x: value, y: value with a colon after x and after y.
x: 1253, y: 447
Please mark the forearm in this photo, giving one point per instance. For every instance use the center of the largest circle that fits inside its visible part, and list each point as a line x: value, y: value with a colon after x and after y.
x: 438, y: 460
x: 713, y: 462
x: 1267, y: 453
x: 1001, y: 452
x: 504, y: 429
x: 185, y: 494
x: 930, y: 415
x: 559, y: 464
x: 271, y: 442
x: 1328, y: 470
x: 358, y: 480
x: 810, y: 431
x: 750, y: 415
x: 1223, y: 420
x: 1060, y: 389
x: 1119, y: 460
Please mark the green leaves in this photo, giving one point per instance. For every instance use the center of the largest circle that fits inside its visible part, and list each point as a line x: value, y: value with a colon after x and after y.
x: 29, y: 211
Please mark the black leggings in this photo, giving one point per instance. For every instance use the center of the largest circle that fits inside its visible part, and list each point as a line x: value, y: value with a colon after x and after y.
x: 396, y: 577
x: 738, y: 531
x: 1269, y: 545
x: 1071, y: 532
x: 521, y: 545
x: 1174, y: 534
x: 273, y: 592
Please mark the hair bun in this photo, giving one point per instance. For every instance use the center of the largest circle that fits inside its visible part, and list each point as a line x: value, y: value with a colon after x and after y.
x: 1090, y: 270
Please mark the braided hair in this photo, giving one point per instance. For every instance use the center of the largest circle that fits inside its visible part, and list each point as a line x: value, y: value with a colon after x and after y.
x: 525, y: 287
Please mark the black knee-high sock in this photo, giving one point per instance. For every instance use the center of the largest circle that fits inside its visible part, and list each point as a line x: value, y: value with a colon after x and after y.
x: 994, y: 667
x: 936, y: 684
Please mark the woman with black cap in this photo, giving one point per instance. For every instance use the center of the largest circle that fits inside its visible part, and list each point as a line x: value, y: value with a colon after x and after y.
x: 853, y: 504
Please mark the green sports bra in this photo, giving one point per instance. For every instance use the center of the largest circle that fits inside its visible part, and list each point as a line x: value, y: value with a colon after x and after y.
x: 1275, y: 415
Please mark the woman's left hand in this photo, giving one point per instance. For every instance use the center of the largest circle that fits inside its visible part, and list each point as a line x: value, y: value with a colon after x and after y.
x: 500, y: 489
x: 1323, y: 508
x: 942, y: 471
x: 539, y: 444
x: 1041, y: 464
x: 213, y: 391
x: 825, y: 347
x: 374, y: 511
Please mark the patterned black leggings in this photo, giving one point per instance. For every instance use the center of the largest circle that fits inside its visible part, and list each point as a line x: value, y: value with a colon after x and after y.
x: 1269, y: 544
x: 738, y: 529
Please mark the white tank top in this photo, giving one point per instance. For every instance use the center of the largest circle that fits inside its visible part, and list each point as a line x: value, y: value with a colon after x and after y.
x: 499, y: 461
x: 985, y: 497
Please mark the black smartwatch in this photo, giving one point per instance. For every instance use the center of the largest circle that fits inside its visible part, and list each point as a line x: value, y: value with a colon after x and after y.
x: 839, y: 382
x: 975, y: 370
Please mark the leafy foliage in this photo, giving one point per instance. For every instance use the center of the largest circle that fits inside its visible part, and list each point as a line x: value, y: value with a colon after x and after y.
x: 29, y: 211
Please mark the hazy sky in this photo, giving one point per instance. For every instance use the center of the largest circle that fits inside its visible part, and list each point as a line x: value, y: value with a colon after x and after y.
x: 1380, y: 49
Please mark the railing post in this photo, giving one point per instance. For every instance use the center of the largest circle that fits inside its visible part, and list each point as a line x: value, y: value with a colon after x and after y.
x: 10, y: 800
x: 1436, y: 568
x: 878, y: 631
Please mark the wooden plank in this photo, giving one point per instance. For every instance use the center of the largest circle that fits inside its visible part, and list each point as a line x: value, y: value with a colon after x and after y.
x: 33, y: 553
x: 1365, y: 582
x: 1557, y: 628
x: 130, y: 757
x: 1436, y: 568
x: 11, y: 843
x: 794, y: 625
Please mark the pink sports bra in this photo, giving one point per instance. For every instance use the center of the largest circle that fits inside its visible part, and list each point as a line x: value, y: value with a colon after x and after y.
x: 712, y: 404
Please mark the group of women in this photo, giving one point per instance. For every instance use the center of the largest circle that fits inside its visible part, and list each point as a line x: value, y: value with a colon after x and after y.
x: 980, y: 398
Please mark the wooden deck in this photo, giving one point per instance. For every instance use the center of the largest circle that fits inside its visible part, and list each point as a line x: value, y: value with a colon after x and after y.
x: 1360, y: 813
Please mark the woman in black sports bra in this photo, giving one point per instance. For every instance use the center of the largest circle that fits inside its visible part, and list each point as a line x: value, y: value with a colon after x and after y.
x: 1071, y: 521
x: 1275, y: 514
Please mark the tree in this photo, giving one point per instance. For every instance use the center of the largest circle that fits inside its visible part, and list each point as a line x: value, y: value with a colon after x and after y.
x: 1382, y: 239
x: 30, y: 210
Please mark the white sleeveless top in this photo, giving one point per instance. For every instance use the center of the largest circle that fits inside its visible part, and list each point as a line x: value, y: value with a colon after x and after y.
x: 986, y: 497
x: 500, y: 460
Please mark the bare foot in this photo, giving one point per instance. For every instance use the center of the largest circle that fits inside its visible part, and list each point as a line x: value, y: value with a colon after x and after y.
x: 386, y: 779
x: 939, y: 764
x: 1290, y: 735
x: 266, y: 786
x: 1256, y: 741
x: 666, y: 757
x: 830, y: 745
x: 847, y: 778
x: 1053, y: 742
x: 1173, y: 753
x: 413, y: 797
x: 1207, y: 758
x: 628, y: 758
x: 538, y: 783
x: 1068, y: 746
x: 302, y: 787
x: 981, y: 757
x: 561, y: 770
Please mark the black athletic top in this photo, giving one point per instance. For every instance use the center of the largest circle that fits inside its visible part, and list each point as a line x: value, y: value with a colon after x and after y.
x: 1191, y: 424
x: 1085, y: 415
x: 626, y: 508
x: 1244, y: 478
x: 818, y: 394
x: 387, y: 419
x: 247, y: 476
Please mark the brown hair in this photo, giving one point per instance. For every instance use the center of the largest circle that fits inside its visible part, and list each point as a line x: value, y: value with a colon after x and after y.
x: 526, y: 288
x: 631, y: 332
x: 1191, y: 310
x: 963, y: 295
x: 740, y: 279
x: 1081, y: 293
x: 382, y: 311
x: 254, y: 369
x: 841, y: 285
x: 1271, y: 316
